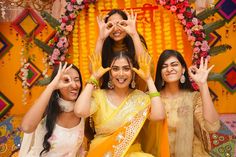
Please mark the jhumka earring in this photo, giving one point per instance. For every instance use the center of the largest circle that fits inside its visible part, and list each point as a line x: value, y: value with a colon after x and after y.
x: 182, y: 79
x: 162, y: 83
x: 133, y: 84
x: 110, y: 84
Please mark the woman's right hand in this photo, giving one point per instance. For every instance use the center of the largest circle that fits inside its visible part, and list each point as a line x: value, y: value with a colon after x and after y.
x: 97, y: 70
x: 61, y: 80
x: 104, y: 28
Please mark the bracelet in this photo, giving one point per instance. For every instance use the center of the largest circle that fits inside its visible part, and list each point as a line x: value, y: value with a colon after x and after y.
x: 154, y: 94
x: 92, y: 80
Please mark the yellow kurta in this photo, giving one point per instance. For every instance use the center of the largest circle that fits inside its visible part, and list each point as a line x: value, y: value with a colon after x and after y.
x: 109, y: 118
x: 185, y: 122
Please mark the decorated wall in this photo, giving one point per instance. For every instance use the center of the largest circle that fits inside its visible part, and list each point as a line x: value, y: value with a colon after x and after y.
x: 24, y: 63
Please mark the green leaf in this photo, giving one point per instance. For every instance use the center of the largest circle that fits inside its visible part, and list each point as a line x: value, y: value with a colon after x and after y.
x: 213, y: 26
x: 50, y: 19
x: 215, y: 77
x: 219, y: 49
x: 43, y: 46
x: 206, y: 13
x: 43, y: 82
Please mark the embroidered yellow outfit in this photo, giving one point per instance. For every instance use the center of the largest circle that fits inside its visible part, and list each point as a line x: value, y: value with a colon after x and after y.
x: 118, y: 126
x: 186, y: 125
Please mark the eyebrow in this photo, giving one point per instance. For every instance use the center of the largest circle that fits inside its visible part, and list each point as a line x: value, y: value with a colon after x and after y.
x: 120, y: 66
x: 171, y: 62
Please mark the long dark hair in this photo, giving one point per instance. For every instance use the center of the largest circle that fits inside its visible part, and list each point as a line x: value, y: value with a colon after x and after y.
x: 163, y: 57
x: 107, y: 49
x: 53, y: 110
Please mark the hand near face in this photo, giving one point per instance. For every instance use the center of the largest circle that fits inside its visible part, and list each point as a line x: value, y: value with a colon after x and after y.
x: 199, y: 75
x: 97, y: 69
x: 61, y: 80
x: 129, y: 25
x: 144, y: 67
x: 104, y: 28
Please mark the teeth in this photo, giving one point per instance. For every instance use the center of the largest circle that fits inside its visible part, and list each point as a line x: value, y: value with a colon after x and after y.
x: 121, y: 80
x: 116, y: 34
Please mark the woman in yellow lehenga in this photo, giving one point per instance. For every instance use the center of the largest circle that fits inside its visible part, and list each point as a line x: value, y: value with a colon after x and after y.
x: 119, y: 111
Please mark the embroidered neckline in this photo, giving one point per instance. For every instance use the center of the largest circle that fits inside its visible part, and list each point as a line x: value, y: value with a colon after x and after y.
x: 65, y: 105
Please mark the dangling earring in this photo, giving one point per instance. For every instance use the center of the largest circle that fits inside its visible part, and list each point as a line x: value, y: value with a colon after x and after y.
x: 162, y: 83
x: 182, y: 79
x: 133, y: 84
x: 110, y: 84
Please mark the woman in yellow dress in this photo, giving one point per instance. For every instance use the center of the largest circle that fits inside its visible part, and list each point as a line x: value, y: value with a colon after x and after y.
x: 189, y: 113
x: 119, y: 111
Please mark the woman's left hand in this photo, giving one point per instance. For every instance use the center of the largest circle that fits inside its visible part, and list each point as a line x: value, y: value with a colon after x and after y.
x: 129, y: 25
x: 199, y: 75
x: 144, y: 66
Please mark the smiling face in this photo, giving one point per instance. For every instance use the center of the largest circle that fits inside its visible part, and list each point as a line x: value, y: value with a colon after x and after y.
x: 71, y: 92
x: 118, y: 34
x: 121, y: 73
x: 172, y: 70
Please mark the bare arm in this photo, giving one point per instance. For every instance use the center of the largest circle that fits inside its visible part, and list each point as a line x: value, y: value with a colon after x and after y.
x: 129, y: 26
x: 104, y: 31
x: 199, y: 75
x: 83, y: 103
x: 157, y: 108
x: 35, y: 114
x: 209, y: 111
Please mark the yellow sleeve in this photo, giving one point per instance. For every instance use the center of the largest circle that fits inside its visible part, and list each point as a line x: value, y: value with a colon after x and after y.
x: 198, y: 113
x: 94, y: 104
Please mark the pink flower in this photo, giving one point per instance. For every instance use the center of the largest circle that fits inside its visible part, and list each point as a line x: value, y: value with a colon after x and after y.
x: 205, y: 46
x: 60, y: 44
x: 64, y: 19
x: 63, y: 25
x: 180, y: 16
x: 56, y: 52
x: 198, y: 43
x: 69, y: 28
x: 69, y: 7
x: 62, y: 57
x: 196, y: 50
x: 73, y: 1
x: 173, y: 8
x: 183, y: 22
x: 63, y: 39
x: 72, y: 16
x: 195, y: 21
x: 162, y: 2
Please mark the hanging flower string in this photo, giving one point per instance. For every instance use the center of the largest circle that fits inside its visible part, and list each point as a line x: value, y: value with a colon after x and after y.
x: 192, y: 26
x: 60, y: 41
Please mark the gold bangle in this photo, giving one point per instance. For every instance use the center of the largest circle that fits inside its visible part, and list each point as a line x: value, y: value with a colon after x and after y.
x: 154, y: 94
x: 92, y: 80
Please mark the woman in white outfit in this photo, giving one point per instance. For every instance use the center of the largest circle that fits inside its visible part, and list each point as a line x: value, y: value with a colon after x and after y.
x: 51, y: 128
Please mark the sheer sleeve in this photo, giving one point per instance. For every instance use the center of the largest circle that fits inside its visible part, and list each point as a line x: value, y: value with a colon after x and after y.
x: 198, y: 113
x: 94, y: 103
